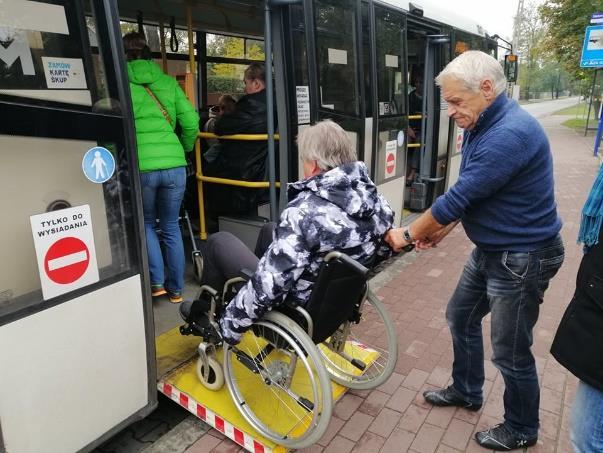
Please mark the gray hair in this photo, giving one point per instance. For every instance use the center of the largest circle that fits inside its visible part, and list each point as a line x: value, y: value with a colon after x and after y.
x: 326, y: 143
x: 472, y: 68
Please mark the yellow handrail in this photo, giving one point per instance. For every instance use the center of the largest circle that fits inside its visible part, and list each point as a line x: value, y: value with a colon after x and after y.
x: 224, y: 181
x: 242, y: 137
x: 413, y: 145
x: 415, y: 117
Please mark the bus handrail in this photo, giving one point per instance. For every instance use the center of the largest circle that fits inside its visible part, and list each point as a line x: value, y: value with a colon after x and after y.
x: 201, y: 178
x: 242, y: 137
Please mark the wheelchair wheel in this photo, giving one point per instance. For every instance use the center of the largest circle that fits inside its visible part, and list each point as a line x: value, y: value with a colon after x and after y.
x: 215, y: 379
x: 198, y: 266
x: 278, y: 381
x: 362, y: 355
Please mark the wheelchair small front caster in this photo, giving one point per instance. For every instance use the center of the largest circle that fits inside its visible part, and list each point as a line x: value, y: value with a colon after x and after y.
x: 213, y: 379
x: 209, y: 371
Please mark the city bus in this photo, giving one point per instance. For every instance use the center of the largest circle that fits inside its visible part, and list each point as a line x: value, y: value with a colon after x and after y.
x: 78, y: 327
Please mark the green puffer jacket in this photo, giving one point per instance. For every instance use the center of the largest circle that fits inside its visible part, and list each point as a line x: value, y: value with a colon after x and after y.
x: 158, y: 146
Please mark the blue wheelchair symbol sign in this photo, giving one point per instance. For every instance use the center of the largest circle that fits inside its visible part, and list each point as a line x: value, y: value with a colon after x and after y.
x: 98, y: 164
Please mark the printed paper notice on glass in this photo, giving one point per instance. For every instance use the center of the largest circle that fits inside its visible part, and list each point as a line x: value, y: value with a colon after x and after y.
x: 66, y: 73
x: 338, y: 56
x: 303, y: 104
x: 391, y: 61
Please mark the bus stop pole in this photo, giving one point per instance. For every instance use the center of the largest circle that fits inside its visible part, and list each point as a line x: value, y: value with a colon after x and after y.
x: 598, y: 136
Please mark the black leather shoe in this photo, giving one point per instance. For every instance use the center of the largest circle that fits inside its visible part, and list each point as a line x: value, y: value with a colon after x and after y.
x: 500, y: 438
x: 449, y: 397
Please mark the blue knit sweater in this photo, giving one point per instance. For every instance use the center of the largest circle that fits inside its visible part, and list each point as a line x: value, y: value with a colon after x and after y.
x: 504, y: 195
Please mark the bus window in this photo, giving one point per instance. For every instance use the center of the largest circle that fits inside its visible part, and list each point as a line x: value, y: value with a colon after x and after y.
x: 337, y: 59
x: 224, y: 72
x: 391, y: 92
x: 389, y: 28
x: 42, y: 156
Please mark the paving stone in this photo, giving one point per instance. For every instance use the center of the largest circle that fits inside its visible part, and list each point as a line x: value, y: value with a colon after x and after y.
x: 339, y: 445
x: 356, y: 426
x: 369, y: 442
x: 427, y: 439
x: 385, y: 422
x: 398, y: 442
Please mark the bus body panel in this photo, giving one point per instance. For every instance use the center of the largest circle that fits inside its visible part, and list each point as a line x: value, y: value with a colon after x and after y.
x: 73, y: 372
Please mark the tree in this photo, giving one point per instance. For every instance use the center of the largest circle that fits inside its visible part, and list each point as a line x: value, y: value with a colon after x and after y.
x: 529, y: 32
x: 566, y: 21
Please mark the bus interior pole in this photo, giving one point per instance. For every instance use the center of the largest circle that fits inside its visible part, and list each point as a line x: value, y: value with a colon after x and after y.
x: 270, y: 102
x: 270, y: 112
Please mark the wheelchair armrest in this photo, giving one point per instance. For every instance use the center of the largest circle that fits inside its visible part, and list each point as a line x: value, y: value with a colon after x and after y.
x: 246, y: 274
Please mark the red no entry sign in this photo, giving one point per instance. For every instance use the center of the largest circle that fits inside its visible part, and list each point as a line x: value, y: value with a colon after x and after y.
x: 390, y: 163
x: 66, y: 260
x: 459, y: 141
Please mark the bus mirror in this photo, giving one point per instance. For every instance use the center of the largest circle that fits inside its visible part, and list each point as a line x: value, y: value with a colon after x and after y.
x: 511, y: 67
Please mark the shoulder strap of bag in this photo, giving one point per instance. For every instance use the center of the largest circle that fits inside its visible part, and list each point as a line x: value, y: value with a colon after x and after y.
x: 165, y: 113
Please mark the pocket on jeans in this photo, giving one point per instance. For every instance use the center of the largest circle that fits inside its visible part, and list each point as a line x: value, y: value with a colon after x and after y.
x: 516, y: 263
x: 549, y: 267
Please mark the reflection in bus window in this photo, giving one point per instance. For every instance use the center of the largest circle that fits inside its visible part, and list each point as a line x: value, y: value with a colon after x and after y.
x: 335, y: 30
x: 390, y: 49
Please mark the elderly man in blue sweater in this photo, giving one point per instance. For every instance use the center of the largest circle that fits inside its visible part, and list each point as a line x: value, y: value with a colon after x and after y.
x: 504, y: 198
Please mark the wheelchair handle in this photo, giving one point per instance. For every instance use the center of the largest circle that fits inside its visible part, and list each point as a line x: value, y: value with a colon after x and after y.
x: 355, y: 265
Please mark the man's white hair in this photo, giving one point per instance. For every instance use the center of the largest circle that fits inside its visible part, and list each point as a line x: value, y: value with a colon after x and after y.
x: 326, y: 143
x: 473, y: 67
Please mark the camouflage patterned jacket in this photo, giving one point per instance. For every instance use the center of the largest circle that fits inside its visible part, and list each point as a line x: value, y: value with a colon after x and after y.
x: 336, y: 210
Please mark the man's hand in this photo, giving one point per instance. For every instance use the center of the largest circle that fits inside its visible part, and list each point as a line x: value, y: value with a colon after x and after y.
x: 395, y: 239
x: 435, y: 238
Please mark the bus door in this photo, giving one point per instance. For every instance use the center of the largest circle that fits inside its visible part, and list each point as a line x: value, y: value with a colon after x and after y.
x: 429, y: 123
x: 389, y: 107
x: 76, y: 330
x: 327, y: 73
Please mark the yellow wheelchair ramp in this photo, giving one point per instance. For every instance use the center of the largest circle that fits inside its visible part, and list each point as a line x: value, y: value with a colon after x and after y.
x: 176, y: 368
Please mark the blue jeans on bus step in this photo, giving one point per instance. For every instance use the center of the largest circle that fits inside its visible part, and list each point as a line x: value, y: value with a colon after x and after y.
x: 587, y: 420
x: 162, y: 194
x: 510, y: 286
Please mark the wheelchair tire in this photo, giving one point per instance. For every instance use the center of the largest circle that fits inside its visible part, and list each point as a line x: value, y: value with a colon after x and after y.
x: 215, y: 380
x: 198, y: 266
x: 362, y: 343
x: 291, y: 408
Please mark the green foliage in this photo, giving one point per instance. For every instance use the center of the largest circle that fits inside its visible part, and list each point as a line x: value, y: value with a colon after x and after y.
x: 565, y: 22
x: 224, y: 84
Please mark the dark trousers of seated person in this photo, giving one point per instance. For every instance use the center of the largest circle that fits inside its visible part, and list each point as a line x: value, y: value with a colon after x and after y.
x: 225, y: 256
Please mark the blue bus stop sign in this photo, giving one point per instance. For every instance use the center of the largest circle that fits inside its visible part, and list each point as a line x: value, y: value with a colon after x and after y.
x: 592, y: 50
x: 98, y: 164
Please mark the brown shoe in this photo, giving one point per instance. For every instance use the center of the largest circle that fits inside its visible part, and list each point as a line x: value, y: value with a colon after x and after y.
x: 158, y: 290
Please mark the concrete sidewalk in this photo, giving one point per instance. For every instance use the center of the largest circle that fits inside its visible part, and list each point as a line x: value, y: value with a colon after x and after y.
x: 394, y: 417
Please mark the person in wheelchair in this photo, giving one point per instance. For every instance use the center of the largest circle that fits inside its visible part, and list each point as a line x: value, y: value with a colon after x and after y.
x: 335, y: 207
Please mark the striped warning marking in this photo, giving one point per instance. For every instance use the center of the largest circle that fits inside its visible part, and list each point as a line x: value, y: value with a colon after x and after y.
x: 212, y: 419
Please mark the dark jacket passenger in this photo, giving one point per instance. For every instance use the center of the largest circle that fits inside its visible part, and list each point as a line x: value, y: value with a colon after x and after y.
x: 244, y: 160
x: 579, y: 339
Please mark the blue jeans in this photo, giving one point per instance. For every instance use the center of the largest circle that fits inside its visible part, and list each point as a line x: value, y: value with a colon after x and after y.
x: 162, y: 194
x: 587, y: 420
x: 511, y: 286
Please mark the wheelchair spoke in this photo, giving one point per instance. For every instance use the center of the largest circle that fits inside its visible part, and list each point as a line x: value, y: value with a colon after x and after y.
x: 282, y: 398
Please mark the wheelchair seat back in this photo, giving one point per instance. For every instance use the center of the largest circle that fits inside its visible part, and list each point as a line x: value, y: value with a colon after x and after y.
x: 336, y: 296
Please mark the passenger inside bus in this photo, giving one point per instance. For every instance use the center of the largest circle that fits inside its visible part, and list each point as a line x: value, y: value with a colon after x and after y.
x: 159, y: 103
x: 415, y: 107
x: 336, y: 207
x: 226, y: 104
x: 243, y: 160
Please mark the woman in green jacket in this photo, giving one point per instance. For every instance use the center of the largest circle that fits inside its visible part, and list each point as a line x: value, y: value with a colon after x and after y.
x: 158, y: 104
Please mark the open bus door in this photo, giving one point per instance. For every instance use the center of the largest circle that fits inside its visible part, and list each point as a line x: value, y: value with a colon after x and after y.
x: 76, y: 330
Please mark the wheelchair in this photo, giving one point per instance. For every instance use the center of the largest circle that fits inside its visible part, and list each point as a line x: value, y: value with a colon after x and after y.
x: 279, y: 374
